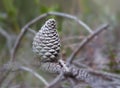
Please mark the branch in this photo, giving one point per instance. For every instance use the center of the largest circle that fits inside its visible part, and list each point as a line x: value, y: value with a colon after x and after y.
x: 72, y: 38
x: 56, y: 80
x: 78, y: 64
x: 86, y: 41
x: 32, y: 31
x: 53, y: 68
x: 3, y: 76
x: 8, y: 38
x: 34, y: 73
x: 14, y: 66
x: 4, y: 33
x: 22, y: 33
x: 80, y: 74
x: 80, y: 22
x: 24, y: 29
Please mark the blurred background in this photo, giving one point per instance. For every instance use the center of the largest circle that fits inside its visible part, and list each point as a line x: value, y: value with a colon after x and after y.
x: 102, y: 53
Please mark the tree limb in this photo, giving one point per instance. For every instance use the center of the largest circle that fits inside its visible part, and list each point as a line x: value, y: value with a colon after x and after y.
x: 86, y: 41
x: 24, y: 29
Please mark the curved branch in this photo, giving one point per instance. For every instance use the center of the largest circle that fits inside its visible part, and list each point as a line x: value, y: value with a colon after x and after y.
x: 35, y: 74
x: 24, y: 29
x: 86, y: 41
x: 8, y: 38
x: 22, y: 33
x: 80, y: 22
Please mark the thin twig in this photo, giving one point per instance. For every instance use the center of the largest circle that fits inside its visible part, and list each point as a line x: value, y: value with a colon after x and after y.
x: 35, y: 74
x: 72, y: 82
x: 16, y: 67
x: 32, y: 31
x: 8, y: 84
x: 3, y: 75
x: 111, y: 75
x: 72, y: 38
x: 4, y: 33
x: 80, y: 22
x: 24, y: 29
x: 8, y: 38
x: 79, y: 64
x: 22, y: 33
x: 56, y: 80
x: 72, y: 45
x: 86, y: 41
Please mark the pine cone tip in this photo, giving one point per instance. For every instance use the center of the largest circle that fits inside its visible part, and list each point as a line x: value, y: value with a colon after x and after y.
x: 51, y: 23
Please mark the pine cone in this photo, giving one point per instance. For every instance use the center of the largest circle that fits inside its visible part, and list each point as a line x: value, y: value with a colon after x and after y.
x: 46, y: 42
